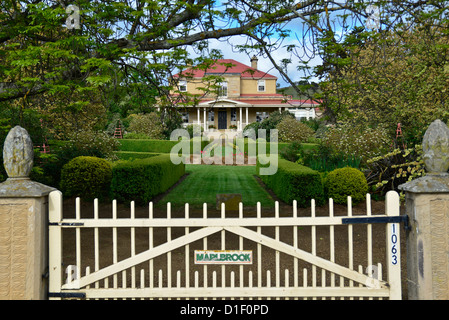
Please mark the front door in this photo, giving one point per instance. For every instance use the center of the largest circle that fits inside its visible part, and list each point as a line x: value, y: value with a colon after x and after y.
x: 222, y: 118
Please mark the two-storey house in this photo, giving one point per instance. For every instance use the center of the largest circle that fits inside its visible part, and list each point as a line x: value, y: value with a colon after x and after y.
x: 245, y: 95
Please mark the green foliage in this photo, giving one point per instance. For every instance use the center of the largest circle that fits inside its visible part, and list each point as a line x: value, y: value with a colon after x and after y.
x: 92, y: 143
x: 273, y: 120
x: 291, y: 152
x: 397, y: 76
x: 142, y: 179
x: 388, y: 171
x: 356, y: 140
x: 191, y: 127
x: 344, y: 182
x: 130, y: 155
x: 294, y: 182
x: 151, y: 145
x: 322, y: 159
x: 254, y: 126
x: 148, y: 124
x: 87, y: 177
x: 133, y: 135
x: 290, y: 129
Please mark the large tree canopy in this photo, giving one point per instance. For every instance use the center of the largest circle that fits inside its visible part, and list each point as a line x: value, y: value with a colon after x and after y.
x: 41, y: 52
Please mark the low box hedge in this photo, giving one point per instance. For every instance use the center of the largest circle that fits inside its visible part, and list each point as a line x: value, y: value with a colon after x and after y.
x: 129, y: 155
x: 294, y: 182
x: 152, y: 145
x: 142, y: 179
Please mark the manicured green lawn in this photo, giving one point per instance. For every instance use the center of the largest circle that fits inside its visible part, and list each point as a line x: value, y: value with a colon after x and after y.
x: 205, y: 181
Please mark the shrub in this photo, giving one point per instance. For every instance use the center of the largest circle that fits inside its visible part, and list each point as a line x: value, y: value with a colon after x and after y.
x: 142, y: 179
x: 347, y: 140
x: 254, y: 126
x: 344, y: 182
x: 321, y: 158
x: 149, y: 124
x: 89, y: 177
x: 290, y: 129
x: 291, y: 152
x: 191, y: 127
x: 294, y: 182
x: 91, y: 143
x: 387, y: 172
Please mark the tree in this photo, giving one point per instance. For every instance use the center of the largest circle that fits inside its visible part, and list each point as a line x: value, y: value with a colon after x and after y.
x: 401, y: 77
x: 41, y: 53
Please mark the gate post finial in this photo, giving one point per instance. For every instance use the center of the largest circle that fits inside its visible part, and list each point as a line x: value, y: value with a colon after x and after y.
x: 436, y: 148
x: 18, y: 153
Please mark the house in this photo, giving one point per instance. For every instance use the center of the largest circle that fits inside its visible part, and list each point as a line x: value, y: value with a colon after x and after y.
x: 244, y: 95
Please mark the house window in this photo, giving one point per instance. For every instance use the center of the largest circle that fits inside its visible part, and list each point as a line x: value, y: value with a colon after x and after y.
x: 260, y: 116
x: 185, y: 117
x: 223, y: 89
x: 261, y: 85
x: 233, y: 114
x: 211, y: 115
x: 182, y: 85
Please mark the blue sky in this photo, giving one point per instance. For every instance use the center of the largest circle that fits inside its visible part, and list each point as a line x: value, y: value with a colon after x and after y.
x: 264, y: 64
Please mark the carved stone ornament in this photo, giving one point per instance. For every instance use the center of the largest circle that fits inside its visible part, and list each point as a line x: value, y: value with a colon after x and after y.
x: 436, y: 148
x: 18, y: 153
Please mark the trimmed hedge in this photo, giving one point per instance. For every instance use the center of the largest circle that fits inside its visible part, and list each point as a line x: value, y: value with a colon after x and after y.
x: 142, y: 179
x: 150, y: 145
x: 294, y: 182
x: 343, y: 182
x: 88, y: 177
x: 129, y: 155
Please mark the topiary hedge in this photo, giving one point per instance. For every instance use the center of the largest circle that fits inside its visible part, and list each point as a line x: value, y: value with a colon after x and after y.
x: 294, y: 182
x: 142, y: 179
x: 87, y: 177
x: 344, y: 182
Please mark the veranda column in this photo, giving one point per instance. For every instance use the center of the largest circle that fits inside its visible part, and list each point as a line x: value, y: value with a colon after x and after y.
x: 205, y: 120
x: 23, y: 223
x: 198, y: 116
x: 246, y: 115
x: 427, y: 206
x: 241, y: 118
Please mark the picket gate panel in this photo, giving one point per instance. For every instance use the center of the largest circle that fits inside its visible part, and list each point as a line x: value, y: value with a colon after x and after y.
x: 292, y: 272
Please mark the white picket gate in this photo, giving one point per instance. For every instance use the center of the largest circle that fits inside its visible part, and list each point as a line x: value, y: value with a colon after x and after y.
x: 280, y: 267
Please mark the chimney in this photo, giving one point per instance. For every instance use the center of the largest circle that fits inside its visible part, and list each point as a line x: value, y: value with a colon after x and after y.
x: 254, y: 62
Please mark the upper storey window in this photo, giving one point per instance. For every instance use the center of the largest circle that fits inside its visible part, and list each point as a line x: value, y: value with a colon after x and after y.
x: 261, y: 86
x: 223, y: 89
x: 182, y: 85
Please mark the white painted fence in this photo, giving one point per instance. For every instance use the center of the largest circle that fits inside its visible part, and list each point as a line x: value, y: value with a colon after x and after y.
x: 281, y: 267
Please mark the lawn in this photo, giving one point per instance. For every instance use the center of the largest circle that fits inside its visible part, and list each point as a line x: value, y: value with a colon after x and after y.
x: 205, y: 181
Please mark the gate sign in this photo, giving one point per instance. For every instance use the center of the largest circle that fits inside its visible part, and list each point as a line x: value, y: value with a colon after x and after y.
x: 223, y: 257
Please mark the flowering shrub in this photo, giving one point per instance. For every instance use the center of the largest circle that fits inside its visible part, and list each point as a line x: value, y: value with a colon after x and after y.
x: 92, y: 143
x: 349, y: 140
x: 392, y: 169
x: 148, y: 124
x: 290, y: 129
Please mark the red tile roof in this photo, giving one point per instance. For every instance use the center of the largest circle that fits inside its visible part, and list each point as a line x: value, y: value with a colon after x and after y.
x: 228, y: 66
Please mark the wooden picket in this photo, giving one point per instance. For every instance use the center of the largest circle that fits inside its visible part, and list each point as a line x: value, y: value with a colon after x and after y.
x: 207, y: 281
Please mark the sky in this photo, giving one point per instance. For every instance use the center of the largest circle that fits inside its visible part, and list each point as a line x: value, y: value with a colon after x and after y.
x: 264, y: 64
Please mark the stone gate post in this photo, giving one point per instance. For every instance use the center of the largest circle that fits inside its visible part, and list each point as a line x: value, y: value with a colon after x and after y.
x: 427, y: 206
x: 23, y: 223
